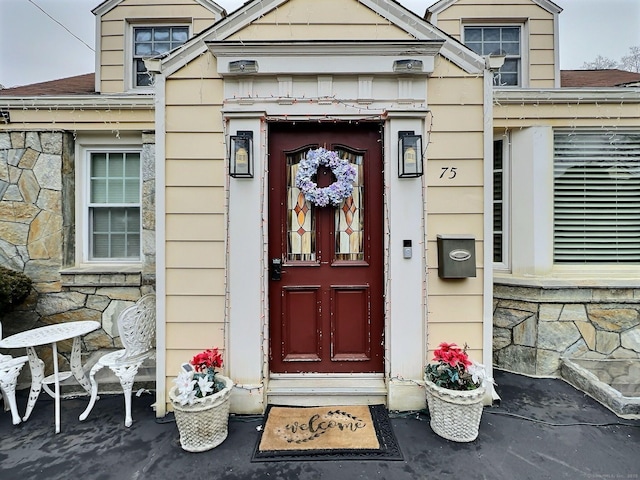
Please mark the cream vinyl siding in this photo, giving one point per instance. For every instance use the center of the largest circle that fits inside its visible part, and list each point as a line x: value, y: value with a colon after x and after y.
x: 337, y: 19
x: 195, y: 213
x: 537, y: 34
x: 114, y: 33
x: 455, y: 308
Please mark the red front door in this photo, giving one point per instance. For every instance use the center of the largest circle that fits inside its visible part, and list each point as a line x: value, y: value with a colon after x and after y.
x: 326, y: 309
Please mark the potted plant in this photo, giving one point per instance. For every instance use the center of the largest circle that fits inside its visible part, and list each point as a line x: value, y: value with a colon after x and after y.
x: 455, y: 392
x: 201, y: 399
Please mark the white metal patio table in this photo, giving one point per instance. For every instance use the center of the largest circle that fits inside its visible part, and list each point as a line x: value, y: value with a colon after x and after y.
x: 52, y: 334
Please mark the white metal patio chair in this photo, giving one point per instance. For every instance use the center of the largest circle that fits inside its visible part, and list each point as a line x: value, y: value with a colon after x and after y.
x: 9, y: 370
x: 137, y: 328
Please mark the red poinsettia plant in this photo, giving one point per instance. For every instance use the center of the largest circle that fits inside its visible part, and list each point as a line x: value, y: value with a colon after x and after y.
x: 197, y: 379
x: 453, y: 368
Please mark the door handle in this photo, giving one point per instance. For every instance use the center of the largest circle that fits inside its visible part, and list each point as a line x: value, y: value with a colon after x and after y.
x: 276, y: 269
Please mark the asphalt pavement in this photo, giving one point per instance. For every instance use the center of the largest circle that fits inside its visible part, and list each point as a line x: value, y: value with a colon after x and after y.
x: 542, y: 429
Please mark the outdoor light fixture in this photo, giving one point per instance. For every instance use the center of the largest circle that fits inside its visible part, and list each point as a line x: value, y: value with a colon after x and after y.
x: 240, y: 158
x: 243, y: 66
x: 408, y: 66
x: 409, y: 154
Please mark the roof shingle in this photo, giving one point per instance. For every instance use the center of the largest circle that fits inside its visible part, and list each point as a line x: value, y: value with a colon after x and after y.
x: 77, y: 85
x: 597, y: 78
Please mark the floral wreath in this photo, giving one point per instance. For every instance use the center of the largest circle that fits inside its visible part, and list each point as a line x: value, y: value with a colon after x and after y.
x: 335, y: 193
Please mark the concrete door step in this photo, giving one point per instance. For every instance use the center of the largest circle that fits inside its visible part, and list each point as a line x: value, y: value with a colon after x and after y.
x: 320, y: 390
x: 613, y: 382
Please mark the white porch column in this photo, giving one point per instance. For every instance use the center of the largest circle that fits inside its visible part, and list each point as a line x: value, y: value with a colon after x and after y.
x: 406, y: 277
x: 246, y: 282
x: 532, y: 200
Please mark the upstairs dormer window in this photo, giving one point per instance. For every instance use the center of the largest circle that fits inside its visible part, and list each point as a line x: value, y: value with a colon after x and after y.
x: 150, y: 41
x: 499, y: 40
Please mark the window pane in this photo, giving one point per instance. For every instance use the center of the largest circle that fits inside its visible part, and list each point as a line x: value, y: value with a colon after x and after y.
x: 161, y: 34
x: 511, y: 48
x: 597, y: 197
x: 179, y: 35
x: 142, y: 34
x: 349, y: 215
x: 131, y: 191
x: 98, y: 191
x: 161, y: 48
x: 133, y: 220
x: 115, y: 191
x: 133, y: 246
x: 491, y: 35
x: 476, y: 47
x: 492, y: 48
x: 472, y: 35
x: 132, y: 165
x: 301, y: 234
x: 140, y: 68
x: 115, y: 165
x: 118, y: 220
x: 100, y: 220
x: 98, y: 164
x: 511, y: 34
x: 100, y: 246
x: 144, y: 80
x: 118, y: 246
x: 143, y: 49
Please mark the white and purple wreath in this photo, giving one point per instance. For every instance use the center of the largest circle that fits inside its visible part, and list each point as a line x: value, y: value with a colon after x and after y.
x: 335, y: 193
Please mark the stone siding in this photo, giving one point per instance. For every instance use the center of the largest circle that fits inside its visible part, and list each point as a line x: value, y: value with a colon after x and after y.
x: 534, y: 327
x: 37, y: 237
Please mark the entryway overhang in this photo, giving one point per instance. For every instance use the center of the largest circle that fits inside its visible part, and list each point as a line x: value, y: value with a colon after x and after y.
x: 342, y: 57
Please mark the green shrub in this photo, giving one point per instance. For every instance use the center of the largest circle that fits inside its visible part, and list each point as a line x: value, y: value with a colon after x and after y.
x: 14, y: 288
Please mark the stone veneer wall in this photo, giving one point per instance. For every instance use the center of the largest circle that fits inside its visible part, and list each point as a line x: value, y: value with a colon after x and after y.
x: 37, y: 237
x: 534, y: 327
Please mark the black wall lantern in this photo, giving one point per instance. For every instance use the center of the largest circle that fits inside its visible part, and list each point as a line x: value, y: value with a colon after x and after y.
x: 240, y: 157
x: 410, y: 162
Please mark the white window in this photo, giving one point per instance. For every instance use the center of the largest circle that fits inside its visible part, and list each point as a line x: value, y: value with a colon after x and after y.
x: 112, y: 207
x: 150, y: 41
x: 499, y: 40
x: 596, y: 197
x: 501, y: 202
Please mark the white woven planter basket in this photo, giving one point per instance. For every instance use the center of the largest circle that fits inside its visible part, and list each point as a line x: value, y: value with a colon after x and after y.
x: 455, y: 414
x: 205, y: 424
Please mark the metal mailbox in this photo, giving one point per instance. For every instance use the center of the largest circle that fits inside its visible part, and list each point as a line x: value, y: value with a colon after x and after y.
x: 456, y: 256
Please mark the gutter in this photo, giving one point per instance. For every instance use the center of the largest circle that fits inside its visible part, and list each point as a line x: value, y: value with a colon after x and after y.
x: 567, y: 95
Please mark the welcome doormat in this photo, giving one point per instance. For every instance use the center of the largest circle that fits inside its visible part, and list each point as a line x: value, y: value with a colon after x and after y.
x: 361, y: 432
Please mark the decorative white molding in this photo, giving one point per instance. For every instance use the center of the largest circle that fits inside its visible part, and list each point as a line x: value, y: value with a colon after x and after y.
x: 325, y: 89
x: 311, y: 57
x: 365, y: 90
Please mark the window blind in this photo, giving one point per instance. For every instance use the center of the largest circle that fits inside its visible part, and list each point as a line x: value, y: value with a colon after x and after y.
x: 597, y: 197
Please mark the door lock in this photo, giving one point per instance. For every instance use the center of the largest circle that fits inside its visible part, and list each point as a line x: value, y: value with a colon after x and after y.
x: 276, y: 269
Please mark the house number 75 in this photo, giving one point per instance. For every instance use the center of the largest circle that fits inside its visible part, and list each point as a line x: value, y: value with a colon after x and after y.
x: 450, y: 170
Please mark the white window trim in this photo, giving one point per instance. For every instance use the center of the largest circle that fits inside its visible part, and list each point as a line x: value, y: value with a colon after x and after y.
x: 84, y: 147
x: 129, y: 83
x: 531, y: 160
x: 524, y: 46
x: 505, y: 265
